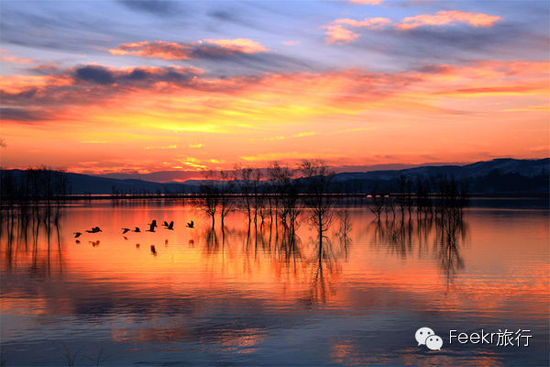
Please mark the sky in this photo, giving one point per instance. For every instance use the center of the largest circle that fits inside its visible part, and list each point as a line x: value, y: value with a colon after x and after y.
x: 146, y: 86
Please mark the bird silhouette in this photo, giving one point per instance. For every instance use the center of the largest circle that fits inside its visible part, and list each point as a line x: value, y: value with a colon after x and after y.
x: 151, y: 227
x: 125, y: 230
x: 190, y: 224
x: 153, y: 250
x: 77, y: 234
x: 94, y: 243
x: 153, y: 223
x: 94, y: 230
x: 165, y: 224
x: 137, y: 229
x: 170, y: 225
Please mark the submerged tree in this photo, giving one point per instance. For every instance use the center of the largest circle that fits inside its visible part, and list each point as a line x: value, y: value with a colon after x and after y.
x: 286, y: 189
x: 226, y: 197
x: 210, y: 195
x: 317, y: 184
x: 377, y: 204
x: 243, y: 176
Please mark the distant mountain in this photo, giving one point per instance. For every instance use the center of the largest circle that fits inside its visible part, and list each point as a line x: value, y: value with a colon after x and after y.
x: 524, y: 167
x: 159, y: 176
x: 185, y: 176
x: 498, y: 176
x: 89, y: 184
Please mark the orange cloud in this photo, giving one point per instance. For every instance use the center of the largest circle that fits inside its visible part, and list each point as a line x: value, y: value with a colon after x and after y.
x: 6, y: 57
x: 448, y: 17
x: 338, y: 30
x: 338, y: 33
x: 256, y: 118
x: 369, y: 23
x: 244, y: 45
x: 188, y: 50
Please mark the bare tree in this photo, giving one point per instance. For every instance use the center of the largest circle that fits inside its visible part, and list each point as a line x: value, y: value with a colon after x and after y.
x: 210, y: 195
x: 243, y: 176
x: 286, y: 190
x: 377, y: 202
x: 258, y: 197
x: 318, y: 180
x: 226, y: 197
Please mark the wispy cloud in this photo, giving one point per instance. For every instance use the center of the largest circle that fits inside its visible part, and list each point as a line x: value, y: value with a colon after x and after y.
x: 337, y: 31
x: 161, y: 147
x: 208, y: 48
x: 156, y: 7
x: 340, y: 31
x: 7, y: 57
x: 291, y: 43
x: 293, y: 136
x: 446, y: 17
x: 366, y: 2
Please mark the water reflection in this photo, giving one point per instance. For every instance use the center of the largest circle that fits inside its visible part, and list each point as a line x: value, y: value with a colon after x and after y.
x: 254, y: 289
x: 33, y: 232
x: 441, y: 236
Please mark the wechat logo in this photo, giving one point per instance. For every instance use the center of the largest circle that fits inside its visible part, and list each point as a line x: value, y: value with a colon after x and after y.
x: 426, y: 336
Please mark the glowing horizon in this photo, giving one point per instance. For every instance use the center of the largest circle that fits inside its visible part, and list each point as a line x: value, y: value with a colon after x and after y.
x: 353, y: 83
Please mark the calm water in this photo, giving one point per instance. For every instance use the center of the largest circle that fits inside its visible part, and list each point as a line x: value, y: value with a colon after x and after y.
x: 258, y: 297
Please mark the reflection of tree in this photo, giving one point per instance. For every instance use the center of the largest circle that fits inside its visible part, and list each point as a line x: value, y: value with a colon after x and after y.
x: 34, y: 229
x: 211, y: 240
x: 280, y: 248
x: 395, y: 234
x: 324, y: 267
x: 451, y: 232
x: 344, y: 232
x: 447, y: 229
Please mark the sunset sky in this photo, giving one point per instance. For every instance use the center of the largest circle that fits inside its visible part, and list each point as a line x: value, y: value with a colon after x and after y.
x: 146, y: 86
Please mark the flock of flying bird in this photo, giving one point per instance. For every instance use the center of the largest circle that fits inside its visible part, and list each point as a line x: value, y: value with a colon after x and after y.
x: 152, y: 226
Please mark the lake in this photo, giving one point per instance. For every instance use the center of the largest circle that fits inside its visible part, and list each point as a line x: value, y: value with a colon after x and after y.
x: 256, y: 295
